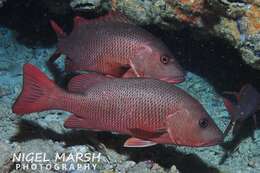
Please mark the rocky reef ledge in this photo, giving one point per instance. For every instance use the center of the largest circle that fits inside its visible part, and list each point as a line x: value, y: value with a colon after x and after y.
x: 208, y: 35
x: 236, y: 21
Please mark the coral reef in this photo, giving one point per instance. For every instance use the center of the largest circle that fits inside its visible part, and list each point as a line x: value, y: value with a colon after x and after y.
x: 237, y: 22
x: 44, y: 132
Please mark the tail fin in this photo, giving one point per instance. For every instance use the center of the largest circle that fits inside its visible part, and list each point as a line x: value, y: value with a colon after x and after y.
x: 37, y: 89
x: 60, y: 33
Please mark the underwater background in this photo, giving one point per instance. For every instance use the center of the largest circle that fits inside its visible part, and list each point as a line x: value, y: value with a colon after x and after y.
x: 216, y: 41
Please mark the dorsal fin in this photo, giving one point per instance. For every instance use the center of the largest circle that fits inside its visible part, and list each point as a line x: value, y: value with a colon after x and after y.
x: 114, y: 16
x: 78, y: 20
x: 80, y: 83
x: 111, y: 17
x: 60, y: 33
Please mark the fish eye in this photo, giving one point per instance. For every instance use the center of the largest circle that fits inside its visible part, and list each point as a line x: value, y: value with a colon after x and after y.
x: 164, y: 59
x: 203, y: 123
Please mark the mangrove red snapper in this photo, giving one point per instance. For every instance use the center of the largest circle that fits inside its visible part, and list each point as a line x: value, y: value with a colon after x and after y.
x: 114, y: 46
x: 149, y: 110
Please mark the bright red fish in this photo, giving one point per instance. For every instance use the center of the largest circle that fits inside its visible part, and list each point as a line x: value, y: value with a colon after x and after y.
x: 114, y: 46
x: 149, y: 110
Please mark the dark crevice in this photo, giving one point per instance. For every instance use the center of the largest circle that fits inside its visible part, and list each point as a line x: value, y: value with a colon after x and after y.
x: 206, y: 55
x: 30, y: 19
x: 211, y: 57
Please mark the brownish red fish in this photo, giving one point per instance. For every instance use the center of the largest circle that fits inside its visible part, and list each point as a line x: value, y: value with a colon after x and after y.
x: 114, y: 46
x: 248, y: 103
x: 149, y: 110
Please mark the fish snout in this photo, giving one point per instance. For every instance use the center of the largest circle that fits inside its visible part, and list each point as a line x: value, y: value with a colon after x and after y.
x: 216, y: 139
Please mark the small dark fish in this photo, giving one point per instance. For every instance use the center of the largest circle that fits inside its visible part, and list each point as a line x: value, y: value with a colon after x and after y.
x: 248, y: 103
x: 149, y: 110
x: 114, y: 46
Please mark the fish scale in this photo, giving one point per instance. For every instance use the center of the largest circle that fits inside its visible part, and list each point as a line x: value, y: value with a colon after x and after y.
x: 116, y: 47
x: 142, y: 95
x: 109, y: 41
x: 150, y: 110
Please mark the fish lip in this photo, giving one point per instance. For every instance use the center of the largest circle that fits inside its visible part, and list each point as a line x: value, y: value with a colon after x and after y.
x: 177, y: 79
x: 213, y: 142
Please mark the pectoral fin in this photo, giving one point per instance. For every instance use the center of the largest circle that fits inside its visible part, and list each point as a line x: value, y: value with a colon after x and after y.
x: 130, y: 73
x: 74, y: 121
x: 140, y: 60
x: 111, y: 17
x: 136, y: 142
x: 174, y: 123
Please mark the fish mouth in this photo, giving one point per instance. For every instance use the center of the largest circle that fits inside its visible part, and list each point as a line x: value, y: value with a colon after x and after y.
x: 216, y: 141
x: 177, y: 79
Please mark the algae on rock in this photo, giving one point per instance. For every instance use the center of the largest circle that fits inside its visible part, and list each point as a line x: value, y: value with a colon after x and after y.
x: 237, y: 22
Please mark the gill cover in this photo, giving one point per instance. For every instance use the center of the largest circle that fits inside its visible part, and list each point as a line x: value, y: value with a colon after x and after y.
x: 175, y: 125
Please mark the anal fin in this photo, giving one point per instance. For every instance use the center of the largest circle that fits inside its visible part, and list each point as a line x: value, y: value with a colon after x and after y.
x: 136, y: 142
x: 73, y: 122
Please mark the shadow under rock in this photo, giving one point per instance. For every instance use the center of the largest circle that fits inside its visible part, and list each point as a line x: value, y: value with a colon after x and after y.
x: 168, y: 156
x: 31, y: 20
x: 210, y: 57
x: 161, y: 154
x: 29, y: 130
x: 164, y: 156
x: 198, y: 51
